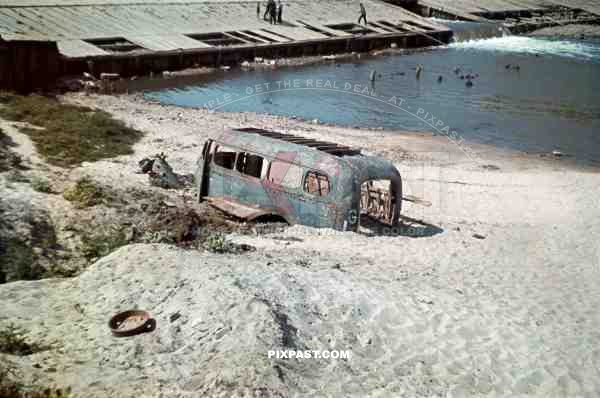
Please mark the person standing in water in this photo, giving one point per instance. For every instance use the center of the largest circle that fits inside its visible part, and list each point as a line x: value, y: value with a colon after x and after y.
x: 363, y: 14
x: 258, y: 9
x: 419, y: 71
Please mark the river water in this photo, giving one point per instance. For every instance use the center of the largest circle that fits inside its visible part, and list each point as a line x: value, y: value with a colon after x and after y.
x: 547, y: 99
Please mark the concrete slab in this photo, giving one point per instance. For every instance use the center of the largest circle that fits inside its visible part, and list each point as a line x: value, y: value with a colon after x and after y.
x: 174, y: 25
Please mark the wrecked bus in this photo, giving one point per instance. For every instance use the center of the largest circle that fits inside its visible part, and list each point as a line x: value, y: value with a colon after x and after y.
x: 253, y: 173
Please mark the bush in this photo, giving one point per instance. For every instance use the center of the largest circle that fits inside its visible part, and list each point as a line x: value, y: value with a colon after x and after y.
x: 41, y: 184
x: 102, y: 244
x: 85, y: 193
x: 217, y: 243
x: 70, y: 134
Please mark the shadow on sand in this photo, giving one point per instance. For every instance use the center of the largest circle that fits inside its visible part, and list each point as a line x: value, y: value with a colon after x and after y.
x: 409, y: 227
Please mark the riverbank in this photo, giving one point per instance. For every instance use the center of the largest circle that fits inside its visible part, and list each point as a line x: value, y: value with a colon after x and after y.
x: 500, y: 299
x: 482, y: 89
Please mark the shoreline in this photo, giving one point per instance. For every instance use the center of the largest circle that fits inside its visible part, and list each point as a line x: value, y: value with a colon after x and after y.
x: 174, y: 79
x: 416, y: 140
x: 510, y: 142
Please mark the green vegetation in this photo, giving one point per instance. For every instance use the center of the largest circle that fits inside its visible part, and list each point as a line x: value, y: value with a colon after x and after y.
x: 8, y: 159
x: 101, y: 244
x: 13, y: 342
x: 22, y: 255
x: 18, y: 261
x: 56, y: 271
x: 41, y: 184
x: 85, y: 193
x: 67, y: 135
x: 10, y: 387
x: 217, y: 243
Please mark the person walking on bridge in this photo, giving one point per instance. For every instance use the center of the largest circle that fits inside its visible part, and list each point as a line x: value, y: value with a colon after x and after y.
x: 268, y: 9
x: 273, y: 15
x: 279, y: 12
x: 363, y: 14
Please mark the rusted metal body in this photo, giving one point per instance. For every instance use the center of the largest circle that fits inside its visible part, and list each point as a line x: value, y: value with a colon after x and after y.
x: 252, y: 173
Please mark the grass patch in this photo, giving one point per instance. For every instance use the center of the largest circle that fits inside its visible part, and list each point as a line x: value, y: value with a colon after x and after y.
x: 41, y: 184
x: 70, y: 134
x: 22, y: 256
x: 85, y: 193
x: 101, y: 244
x: 218, y: 243
x: 11, y: 387
x: 8, y: 159
x: 13, y: 342
x: 18, y: 261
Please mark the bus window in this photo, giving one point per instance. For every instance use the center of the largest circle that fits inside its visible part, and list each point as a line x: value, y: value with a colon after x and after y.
x: 252, y: 165
x: 225, y: 157
x: 317, y: 184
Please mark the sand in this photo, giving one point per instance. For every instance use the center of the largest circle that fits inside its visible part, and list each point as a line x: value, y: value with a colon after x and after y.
x: 494, y: 293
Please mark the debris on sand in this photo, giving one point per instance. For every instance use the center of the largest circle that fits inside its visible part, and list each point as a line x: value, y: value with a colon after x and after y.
x: 161, y: 173
x: 490, y: 167
x: 130, y: 323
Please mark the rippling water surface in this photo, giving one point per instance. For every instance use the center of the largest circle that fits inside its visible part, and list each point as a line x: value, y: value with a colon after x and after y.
x: 551, y: 101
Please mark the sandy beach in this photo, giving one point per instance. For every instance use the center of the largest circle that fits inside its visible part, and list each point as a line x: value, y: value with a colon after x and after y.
x: 491, y: 291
